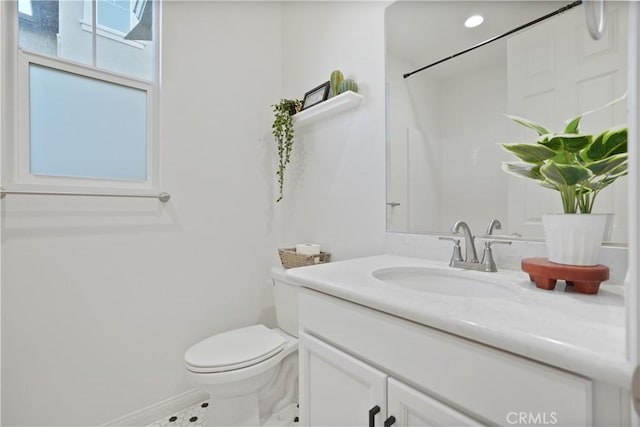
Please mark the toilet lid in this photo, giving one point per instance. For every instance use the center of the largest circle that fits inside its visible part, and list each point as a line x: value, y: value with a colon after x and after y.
x: 234, y: 349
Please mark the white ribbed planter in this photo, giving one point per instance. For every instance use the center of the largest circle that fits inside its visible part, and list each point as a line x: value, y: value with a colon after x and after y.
x: 574, y: 239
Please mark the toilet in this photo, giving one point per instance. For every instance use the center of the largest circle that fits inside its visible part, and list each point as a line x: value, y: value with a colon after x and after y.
x: 251, y: 373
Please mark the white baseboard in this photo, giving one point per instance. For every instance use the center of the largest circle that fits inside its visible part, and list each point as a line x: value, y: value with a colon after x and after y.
x: 158, y: 410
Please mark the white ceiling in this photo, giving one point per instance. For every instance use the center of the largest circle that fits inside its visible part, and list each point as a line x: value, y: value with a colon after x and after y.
x: 422, y: 32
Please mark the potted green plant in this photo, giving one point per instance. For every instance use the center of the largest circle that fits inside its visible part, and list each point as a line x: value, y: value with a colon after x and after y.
x: 282, y: 130
x: 578, y: 166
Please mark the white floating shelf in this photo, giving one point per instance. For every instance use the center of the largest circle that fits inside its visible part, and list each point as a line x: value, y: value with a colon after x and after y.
x: 330, y: 107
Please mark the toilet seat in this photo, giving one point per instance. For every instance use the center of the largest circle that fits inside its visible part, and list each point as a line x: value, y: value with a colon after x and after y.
x: 234, y: 349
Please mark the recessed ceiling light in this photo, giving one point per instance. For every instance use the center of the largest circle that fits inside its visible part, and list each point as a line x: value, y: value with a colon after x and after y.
x: 473, y: 21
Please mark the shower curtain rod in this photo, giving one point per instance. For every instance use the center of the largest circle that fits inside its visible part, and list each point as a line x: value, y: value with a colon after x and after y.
x: 528, y: 24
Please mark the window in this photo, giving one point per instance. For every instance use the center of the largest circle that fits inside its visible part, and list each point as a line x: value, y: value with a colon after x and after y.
x: 109, y: 118
x: 115, y: 14
x: 25, y: 8
x: 85, y: 105
x: 117, y: 19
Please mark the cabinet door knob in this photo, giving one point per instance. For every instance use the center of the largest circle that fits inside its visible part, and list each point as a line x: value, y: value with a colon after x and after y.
x: 390, y: 421
x: 372, y: 415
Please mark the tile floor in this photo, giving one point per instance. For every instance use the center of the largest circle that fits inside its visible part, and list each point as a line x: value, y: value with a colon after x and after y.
x: 196, y: 416
x: 189, y: 417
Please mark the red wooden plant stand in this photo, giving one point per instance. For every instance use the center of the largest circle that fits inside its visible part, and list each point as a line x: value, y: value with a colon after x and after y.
x: 585, y: 279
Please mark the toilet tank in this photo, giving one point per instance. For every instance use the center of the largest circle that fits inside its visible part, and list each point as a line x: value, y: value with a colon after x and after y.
x: 285, y: 295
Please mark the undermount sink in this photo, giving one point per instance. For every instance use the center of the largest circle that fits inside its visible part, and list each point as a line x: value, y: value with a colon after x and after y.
x: 450, y: 282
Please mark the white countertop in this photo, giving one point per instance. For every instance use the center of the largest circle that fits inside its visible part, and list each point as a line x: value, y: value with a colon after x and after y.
x: 584, y: 334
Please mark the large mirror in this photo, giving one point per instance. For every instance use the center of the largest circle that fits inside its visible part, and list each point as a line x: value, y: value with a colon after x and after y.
x: 445, y: 123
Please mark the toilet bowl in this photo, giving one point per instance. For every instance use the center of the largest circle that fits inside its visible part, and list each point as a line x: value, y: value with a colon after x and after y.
x: 251, y: 373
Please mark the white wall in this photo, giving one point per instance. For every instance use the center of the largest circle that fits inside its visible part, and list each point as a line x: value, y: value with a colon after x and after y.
x: 473, y: 176
x: 334, y: 188
x: 443, y: 112
x: 101, y: 297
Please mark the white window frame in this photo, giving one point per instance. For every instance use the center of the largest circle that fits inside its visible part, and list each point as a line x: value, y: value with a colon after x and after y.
x: 23, y: 161
x: 16, y: 175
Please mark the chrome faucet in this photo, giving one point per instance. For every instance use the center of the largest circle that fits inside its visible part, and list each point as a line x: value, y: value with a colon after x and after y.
x: 494, y: 224
x: 469, y: 241
x: 470, y: 261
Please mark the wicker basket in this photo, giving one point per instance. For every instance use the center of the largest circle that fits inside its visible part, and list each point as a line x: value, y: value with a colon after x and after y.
x: 291, y: 259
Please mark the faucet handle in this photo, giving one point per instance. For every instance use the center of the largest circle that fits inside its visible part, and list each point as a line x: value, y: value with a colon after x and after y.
x: 488, y: 243
x: 487, y: 255
x: 457, y: 252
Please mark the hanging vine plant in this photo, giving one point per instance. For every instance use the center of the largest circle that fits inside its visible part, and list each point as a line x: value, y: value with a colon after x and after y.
x: 282, y: 130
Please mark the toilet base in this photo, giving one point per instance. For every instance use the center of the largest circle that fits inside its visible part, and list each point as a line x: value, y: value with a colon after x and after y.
x: 227, y: 414
x: 236, y: 411
x: 274, y: 405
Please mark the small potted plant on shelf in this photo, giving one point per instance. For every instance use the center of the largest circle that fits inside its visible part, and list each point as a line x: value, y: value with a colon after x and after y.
x: 578, y: 166
x: 282, y: 130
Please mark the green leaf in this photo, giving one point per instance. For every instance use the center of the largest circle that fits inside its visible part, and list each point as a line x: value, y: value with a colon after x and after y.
x: 585, y: 188
x: 548, y: 141
x: 572, y: 143
x: 563, y: 158
x: 546, y: 184
x: 616, y: 173
x: 523, y: 170
x: 530, y: 153
x: 559, y: 174
x: 608, y: 143
x: 606, y: 166
x: 524, y: 122
x: 607, y: 105
x: 572, y: 126
x: 608, y: 179
x: 594, y: 185
x: 619, y: 171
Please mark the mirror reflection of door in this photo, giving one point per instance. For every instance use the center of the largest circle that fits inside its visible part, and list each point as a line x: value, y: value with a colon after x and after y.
x: 556, y: 71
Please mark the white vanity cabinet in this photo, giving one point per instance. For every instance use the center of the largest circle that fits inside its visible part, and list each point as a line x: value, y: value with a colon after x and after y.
x: 337, y: 389
x: 353, y: 359
x: 411, y: 408
x: 340, y: 390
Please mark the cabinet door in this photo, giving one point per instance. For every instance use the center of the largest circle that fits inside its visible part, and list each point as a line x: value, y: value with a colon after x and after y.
x: 412, y: 408
x: 337, y: 389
